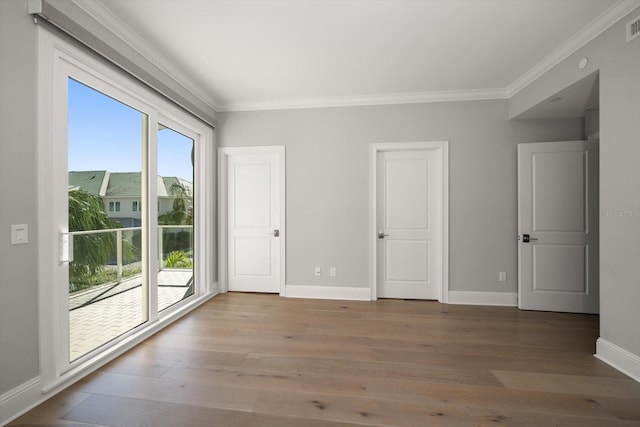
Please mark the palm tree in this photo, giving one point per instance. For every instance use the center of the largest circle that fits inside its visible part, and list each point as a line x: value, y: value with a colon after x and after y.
x: 91, y: 251
x: 179, y: 214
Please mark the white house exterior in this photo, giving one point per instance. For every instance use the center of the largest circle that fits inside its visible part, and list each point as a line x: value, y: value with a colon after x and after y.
x: 121, y: 193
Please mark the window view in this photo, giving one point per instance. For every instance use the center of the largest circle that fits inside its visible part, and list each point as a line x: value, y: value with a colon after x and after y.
x: 175, y: 217
x: 109, y: 283
x: 107, y: 292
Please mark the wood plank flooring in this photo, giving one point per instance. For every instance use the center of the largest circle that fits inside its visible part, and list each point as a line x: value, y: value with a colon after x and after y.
x: 245, y: 360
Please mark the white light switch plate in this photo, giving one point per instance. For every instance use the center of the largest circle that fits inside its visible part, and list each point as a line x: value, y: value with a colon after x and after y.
x: 19, y: 234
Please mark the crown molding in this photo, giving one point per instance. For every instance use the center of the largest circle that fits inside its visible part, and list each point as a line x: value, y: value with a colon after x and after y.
x: 121, y: 30
x: 603, y: 22
x: 599, y: 25
x: 364, y: 100
x: 609, y: 17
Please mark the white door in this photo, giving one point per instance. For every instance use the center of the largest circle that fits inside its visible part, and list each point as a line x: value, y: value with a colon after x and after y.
x: 409, y: 224
x: 558, y: 226
x: 254, y: 235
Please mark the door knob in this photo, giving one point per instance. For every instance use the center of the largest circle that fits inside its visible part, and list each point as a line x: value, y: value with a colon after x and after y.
x: 276, y: 233
x: 526, y: 238
x: 381, y: 235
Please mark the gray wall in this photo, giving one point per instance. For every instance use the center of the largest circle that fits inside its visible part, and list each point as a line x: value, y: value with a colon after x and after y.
x: 18, y: 178
x: 327, y: 155
x: 618, y: 63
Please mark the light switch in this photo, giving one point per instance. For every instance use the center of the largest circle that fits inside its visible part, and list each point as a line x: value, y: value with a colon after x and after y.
x: 19, y: 234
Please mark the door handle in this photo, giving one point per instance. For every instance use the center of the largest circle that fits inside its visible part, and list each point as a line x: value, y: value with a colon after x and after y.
x: 381, y: 235
x: 276, y: 233
x: 527, y: 238
x: 65, y: 247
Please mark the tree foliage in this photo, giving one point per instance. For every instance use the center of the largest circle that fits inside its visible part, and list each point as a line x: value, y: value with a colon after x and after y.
x: 91, y: 251
x: 178, y: 259
x: 86, y: 212
x: 179, y: 214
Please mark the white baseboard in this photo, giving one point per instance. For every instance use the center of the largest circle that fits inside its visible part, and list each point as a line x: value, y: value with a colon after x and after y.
x: 19, y: 400
x: 616, y: 356
x: 483, y: 298
x: 364, y: 294
x: 328, y: 292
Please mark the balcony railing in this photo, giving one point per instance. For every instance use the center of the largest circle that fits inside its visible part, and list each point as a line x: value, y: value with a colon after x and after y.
x: 111, y: 298
x: 128, y: 243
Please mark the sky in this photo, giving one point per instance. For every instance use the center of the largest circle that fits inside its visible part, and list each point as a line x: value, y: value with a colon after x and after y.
x: 105, y: 134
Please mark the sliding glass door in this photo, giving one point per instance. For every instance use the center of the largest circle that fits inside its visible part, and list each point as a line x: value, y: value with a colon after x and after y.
x: 130, y: 234
x: 107, y: 287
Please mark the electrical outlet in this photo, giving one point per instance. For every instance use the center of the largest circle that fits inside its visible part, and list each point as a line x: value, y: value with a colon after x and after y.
x: 502, y: 276
x: 333, y: 272
x: 318, y: 271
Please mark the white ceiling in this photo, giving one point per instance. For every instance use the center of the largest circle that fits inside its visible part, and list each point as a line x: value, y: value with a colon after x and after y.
x: 247, y: 54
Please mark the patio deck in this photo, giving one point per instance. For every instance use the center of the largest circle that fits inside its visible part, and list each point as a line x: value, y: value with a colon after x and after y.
x: 102, y: 314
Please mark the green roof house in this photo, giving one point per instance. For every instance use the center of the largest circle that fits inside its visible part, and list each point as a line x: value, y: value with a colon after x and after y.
x: 122, y: 192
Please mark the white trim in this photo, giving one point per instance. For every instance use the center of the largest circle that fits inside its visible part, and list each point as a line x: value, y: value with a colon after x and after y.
x: 616, y: 356
x: 443, y: 148
x: 223, y: 160
x: 377, y: 99
x: 328, y: 292
x: 599, y: 25
x: 509, y: 299
x: 132, y: 39
x: 20, y: 399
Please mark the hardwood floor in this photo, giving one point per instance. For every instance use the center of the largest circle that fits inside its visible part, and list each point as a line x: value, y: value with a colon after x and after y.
x: 262, y: 360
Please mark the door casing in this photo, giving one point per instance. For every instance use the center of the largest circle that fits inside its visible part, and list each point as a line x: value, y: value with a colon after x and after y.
x: 223, y: 208
x: 442, y: 148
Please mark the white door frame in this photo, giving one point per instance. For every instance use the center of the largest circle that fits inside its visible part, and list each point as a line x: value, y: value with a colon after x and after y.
x: 442, y: 147
x: 56, y: 56
x: 223, y: 161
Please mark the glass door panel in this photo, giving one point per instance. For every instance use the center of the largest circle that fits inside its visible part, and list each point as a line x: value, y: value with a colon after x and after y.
x: 175, y: 210
x: 108, y: 292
